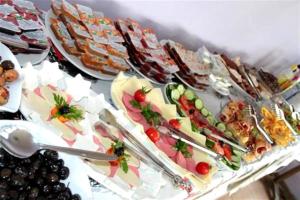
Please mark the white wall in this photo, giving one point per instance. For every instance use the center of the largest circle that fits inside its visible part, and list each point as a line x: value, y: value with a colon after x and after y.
x: 266, y: 33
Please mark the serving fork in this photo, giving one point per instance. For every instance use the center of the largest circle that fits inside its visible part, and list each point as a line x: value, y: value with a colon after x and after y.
x: 280, y: 114
x: 252, y: 113
x: 178, y: 181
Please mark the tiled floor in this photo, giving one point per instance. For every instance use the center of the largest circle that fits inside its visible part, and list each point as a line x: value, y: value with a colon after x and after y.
x: 255, y: 191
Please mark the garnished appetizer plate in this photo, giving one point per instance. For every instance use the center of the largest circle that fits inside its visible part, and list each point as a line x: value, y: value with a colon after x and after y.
x: 78, y: 180
x: 145, y: 107
x: 203, y: 122
x: 10, y: 81
x: 70, y: 109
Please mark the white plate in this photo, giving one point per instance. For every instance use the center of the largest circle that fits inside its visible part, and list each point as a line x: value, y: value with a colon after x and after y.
x: 72, y: 59
x: 187, y: 84
x: 14, y: 88
x: 78, y: 180
x: 35, y: 59
x: 142, y: 75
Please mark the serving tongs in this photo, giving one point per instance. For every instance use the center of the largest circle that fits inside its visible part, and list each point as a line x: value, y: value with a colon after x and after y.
x: 250, y: 81
x: 144, y: 153
x: 251, y: 111
x: 280, y: 114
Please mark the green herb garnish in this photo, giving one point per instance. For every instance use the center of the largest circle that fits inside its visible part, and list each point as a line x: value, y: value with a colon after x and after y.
x: 182, y: 147
x: 135, y: 104
x: 69, y: 112
x: 119, y: 150
x: 151, y: 117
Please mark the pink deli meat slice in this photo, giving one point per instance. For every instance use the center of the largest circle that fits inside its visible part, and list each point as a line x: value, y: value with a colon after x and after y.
x: 126, y: 100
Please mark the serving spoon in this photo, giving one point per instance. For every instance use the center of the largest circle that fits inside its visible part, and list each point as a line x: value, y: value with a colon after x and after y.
x: 20, y: 144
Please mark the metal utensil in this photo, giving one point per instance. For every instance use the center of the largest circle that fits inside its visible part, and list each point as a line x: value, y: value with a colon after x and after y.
x: 177, y: 180
x: 252, y: 114
x: 280, y: 114
x: 20, y: 144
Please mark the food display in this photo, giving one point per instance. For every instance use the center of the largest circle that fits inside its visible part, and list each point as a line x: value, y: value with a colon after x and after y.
x: 145, y: 106
x: 270, y: 80
x: 36, y: 177
x: 236, y: 117
x: 202, y: 121
x: 194, y: 68
x: 238, y: 75
x: 146, y: 53
x: 92, y: 39
x: 21, y: 28
x: 276, y: 128
x: 292, y: 117
x: 8, y: 74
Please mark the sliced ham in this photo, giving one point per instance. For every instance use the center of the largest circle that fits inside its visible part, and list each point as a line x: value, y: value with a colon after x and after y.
x: 126, y: 100
x: 135, y: 116
x: 180, y: 160
x: 166, y: 148
x: 191, y: 165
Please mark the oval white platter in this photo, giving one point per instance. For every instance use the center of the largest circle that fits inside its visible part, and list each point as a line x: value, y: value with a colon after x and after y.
x: 78, y: 180
x: 14, y: 88
x: 72, y: 59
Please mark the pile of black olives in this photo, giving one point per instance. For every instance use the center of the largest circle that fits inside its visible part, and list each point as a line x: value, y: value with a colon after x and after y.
x: 34, y: 178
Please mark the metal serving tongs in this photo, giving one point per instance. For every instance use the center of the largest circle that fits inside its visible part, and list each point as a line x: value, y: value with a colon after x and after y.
x: 252, y: 114
x: 280, y: 114
x: 146, y: 156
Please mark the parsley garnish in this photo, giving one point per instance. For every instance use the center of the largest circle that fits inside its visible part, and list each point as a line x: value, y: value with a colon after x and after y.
x: 135, y: 104
x: 182, y: 147
x: 153, y: 118
x: 119, y: 150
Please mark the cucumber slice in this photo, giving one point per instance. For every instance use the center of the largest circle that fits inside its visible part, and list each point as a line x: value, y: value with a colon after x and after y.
x: 198, y: 104
x: 228, y: 134
x: 204, y: 112
x: 236, y: 159
x: 221, y: 127
x: 210, y: 113
x: 210, y: 120
x: 206, y: 131
x: 194, y: 127
x: 234, y: 167
x: 189, y: 94
x: 237, y: 152
x: 236, y: 164
x: 209, y: 143
x: 227, y: 161
x: 181, y: 89
x: 172, y: 86
x: 175, y: 94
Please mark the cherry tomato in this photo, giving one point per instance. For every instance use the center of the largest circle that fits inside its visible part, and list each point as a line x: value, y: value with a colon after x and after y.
x: 62, y: 119
x: 203, y: 168
x: 113, y: 162
x: 140, y: 95
x: 227, y: 151
x: 54, y: 111
x: 175, y: 123
x: 153, y: 134
x: 184, y: 103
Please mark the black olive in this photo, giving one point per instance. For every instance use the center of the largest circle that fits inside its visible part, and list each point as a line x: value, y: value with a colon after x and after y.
x: 7, y: 64
x: 64, y: 173
x: 60, y: 162
x: 25, y: 161
x: 46, y: 189
x: 76, y: 197
x: 52, y: 178
x: 4, y: 195
x: 17, y: 180
x: 5, y: 173
x: 22, y: 171
x: 39, y: 182
x: 3, y: 185
x: 58, y: 187
x: 64, y: 195
x: 13, y: 194
x: 54, y: 167
x: 119, y: 151
x: 52, y: 155
x: 64, y: 110
x: 43, y: 172
x: 36, y: 164
x: 34, y: 193
x: 11, y: 164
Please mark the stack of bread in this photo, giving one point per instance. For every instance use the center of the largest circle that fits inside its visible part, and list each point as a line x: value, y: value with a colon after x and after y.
x: 90, y: 36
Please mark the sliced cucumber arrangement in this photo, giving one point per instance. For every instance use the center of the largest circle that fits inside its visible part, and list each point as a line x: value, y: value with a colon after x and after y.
x: 181, y: 89
x: 189, y: 94
x: 204, y: 112
x: 175, y: 94
x: 198, y: 104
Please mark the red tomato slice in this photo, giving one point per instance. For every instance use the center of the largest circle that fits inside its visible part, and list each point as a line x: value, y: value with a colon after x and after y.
x: 227, y: 151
